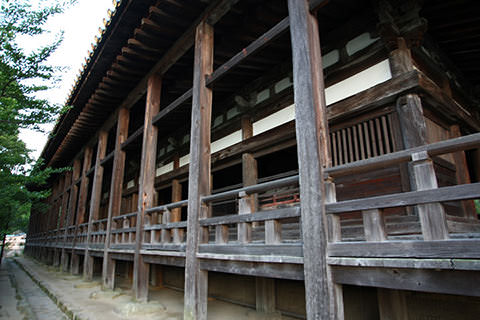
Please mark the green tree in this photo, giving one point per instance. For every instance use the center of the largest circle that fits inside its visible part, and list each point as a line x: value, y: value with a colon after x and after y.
x: 23, y: 74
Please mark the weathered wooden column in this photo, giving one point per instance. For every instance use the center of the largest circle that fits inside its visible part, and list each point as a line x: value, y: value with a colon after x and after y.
x: 53, y: 213
x: 66, y: 180
x: 95, y: 201
x: 196, y: 280
x: 108, y: 269
x: 82, y: 202
x: 146, y: 182
x: 312, y: 132
x: 72, y: 200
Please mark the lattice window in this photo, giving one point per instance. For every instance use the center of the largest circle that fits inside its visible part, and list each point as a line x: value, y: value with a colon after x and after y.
x: 363, y: 140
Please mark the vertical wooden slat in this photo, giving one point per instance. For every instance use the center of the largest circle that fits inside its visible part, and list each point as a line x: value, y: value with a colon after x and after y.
x: 312, y: 132
x: 373, y: 138
x: 355, y: 143
x: 333, y: 139
x: 108, y: 269
x: 146, y: 183
x: 366, y: 136
x: 340, y: 147
x: 344, y: 145
x: 386, y: 135
x: 350, y: 146
x: 380, y: 138
x: 361, y: 138
x: 196, y: 280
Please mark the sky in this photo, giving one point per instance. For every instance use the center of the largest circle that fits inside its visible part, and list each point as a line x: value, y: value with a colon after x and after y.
x: 80, y: 25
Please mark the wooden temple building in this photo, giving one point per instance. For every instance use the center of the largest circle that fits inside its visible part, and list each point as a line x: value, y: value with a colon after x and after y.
x: 311, y: 159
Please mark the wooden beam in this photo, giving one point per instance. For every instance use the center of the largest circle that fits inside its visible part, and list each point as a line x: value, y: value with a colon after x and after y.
x: 196, y: 280
x: 95, y: 202
x: 312, y: 134
x: 249, y: 50
x: 146, y: 185
x: 419, y: 197
x: 116, y: 184
x: 435, y: 281
x: 462, y: 249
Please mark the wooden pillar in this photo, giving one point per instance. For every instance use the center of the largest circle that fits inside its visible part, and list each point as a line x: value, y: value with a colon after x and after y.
x: 108, y: 269
x: 312, y: 132
x: 72, y: 200
x: 82, y: 202
x: 146, y: 188
x: 66, y: 184
x: 196, y: 280
x: 462, y: 173
x: 95, y: 201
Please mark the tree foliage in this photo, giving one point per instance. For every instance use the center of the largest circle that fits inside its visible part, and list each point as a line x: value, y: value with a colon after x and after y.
x: 23, y: 74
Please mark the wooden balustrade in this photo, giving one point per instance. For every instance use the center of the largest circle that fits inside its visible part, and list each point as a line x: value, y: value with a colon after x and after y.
x: 123, y: 231
x: 160, y: 231
x: 262, y: 235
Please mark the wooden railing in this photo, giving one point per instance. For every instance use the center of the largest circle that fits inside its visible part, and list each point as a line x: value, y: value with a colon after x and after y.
x: 250, y: 232
x: 161, y: 232
x: 98, y: 234
x: 123, y: 231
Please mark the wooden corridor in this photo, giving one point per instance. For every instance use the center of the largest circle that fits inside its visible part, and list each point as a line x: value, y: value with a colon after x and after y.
x: 420, y: 234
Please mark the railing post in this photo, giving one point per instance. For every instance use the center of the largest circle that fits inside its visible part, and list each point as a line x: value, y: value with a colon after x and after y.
x: 312, y: 147
x: 432, y: 215
x: 196, y: 280
x: 108, y: 268
x: 245, y: 206
x: 146, y: 188
x: 334, y: 235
